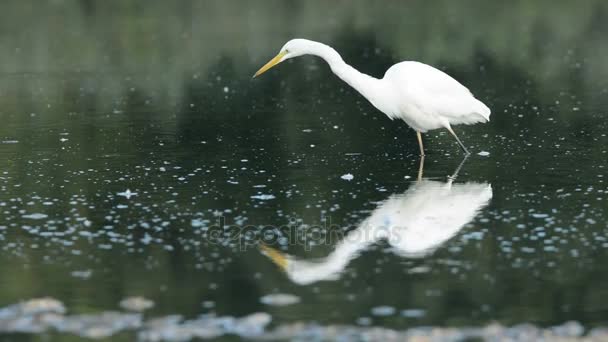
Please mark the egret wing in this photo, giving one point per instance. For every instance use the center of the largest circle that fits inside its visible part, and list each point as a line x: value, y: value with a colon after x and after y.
x: 431, y: 92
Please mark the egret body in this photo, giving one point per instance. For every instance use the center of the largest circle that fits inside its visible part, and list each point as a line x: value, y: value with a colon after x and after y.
x: 424, y: 97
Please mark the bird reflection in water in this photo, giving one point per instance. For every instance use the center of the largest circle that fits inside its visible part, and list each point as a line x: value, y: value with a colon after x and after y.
x: 414, y: 223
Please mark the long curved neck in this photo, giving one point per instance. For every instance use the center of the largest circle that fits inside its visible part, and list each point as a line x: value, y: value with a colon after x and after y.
x: 307, y: 272
x: 367, y: 85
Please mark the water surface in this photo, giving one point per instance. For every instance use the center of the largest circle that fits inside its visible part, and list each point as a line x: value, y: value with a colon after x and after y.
x: 140, y: 159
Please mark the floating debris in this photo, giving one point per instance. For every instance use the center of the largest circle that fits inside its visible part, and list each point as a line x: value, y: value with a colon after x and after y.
x: 280, y: 299
x: 413, y: 313
x: 35, y: 216
x: 419, y: 269
x: 197, y: 223
x: 208, y: 304
x: 483, y: 153
x: 383, y: 310
x: 138, y: 304
x: 540, y: 215
x: 263, y: 197
x: 347, y: 177
x: 127, y: 194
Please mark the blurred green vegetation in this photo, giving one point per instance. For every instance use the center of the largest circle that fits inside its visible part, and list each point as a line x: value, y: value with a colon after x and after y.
x: 559, y: 44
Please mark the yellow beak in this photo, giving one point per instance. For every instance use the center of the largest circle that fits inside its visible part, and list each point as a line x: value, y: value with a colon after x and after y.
x: 277, y: 257
x: 276, y: 60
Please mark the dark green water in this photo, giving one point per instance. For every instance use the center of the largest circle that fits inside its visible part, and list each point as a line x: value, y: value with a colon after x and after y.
x: 99, y: 98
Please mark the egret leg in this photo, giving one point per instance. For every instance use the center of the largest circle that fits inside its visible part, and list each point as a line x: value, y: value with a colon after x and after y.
x: 419, y: 135
x: 455, y: 174
x: 459, y: 142
x: 421, y: 168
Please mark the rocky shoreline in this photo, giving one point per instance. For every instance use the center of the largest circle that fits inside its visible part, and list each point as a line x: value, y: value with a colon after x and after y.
x: 45, y: 315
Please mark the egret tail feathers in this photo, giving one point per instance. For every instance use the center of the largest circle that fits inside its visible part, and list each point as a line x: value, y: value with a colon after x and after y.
x: 482, y: 110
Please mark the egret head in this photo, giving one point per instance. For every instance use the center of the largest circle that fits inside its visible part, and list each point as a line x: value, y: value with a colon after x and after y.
x: 293, y: 48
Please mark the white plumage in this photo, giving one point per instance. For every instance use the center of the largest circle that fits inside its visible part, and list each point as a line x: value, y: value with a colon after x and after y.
x: 415, y: 224
x: 429, y: 98
x: 424, y: 97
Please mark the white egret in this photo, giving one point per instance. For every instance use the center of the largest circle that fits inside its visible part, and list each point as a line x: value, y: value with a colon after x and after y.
x: 424, y: 97
x: 414, y: 223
